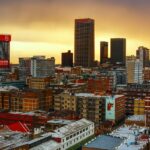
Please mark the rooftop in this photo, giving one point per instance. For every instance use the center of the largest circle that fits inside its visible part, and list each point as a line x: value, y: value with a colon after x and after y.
x: 70, y: 128
x: 123, y: 138
x: 10, y: 139
x: 136, y: 118
x: 102, y: 142
x: 95, y: 95
x: 60, y: 121
x: 50, y: 145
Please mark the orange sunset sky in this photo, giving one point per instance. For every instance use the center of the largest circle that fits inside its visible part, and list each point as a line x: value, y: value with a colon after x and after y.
x: 46, y: 27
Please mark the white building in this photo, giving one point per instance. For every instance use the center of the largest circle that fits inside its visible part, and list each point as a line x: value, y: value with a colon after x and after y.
x: 62, y: 138
x: 41, y: 67
x: 134, y: 70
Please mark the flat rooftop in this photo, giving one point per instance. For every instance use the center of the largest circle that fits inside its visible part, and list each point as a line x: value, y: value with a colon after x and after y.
x: 10, y: 139
x: 101, y: 142
x: 136, y: 118
x: 60, y: 121
x: 96, y: 96
x: 70, y: 128
x: 50, y: 145
x: 123, y: 138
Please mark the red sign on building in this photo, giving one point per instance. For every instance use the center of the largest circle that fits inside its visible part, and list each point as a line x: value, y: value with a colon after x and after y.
x: 5, y: 38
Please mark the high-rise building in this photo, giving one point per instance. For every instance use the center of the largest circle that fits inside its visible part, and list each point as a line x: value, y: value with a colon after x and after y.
x: 103, y: 52
x: 41, y: 67
x: 134, y: 70
x: 118, y: 51
x: 143, y: 54
x: 67, y: 59
x: 84, y: 42
x: 24, y: 67
x: 5, y: 53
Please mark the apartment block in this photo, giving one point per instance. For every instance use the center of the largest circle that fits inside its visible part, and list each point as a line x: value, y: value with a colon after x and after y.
x: 27, y: 100
x: 139, y: 107
x: 91, y: 107
x: 38, y: 83
x: 115, y: 108
x: 102, y: 84
x: 65, y: 101
x: 147, y: 110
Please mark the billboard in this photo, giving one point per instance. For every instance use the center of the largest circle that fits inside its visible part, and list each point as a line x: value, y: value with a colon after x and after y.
x: 110, y: 108
x: 4, y: 63
x: 5, y: 38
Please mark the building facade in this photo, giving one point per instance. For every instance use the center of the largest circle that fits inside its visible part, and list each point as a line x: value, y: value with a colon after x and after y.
x: 118, y: 51
x: 84, y: 42
x: 115, y: 108
x: 142, y: 54
x: 103, y: 52
x: 24, y: 67
x: 91, y: 107
x: 67, y: 59
x: 41, y: 67
x: 134, y: 69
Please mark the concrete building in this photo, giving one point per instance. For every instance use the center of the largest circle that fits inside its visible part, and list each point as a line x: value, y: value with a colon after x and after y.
x: 102, y: 84
x: 65, y: 101
x: 118, y: 51
x: 27, y: 100
x: 67, y: 59
x: 115, y: 108
x: 41, y: 67
x: 24, y: 68
x: 62, y: 138
x: 139, y: 107
x: 91, y: 107
x: 142, y: 54
x: 134, y: 70
x: 103, y: 52
x: 146, y: 74
x: 132, y: 92
x: 38, y: 83
x: 84, y: 42
x: 147, y: 110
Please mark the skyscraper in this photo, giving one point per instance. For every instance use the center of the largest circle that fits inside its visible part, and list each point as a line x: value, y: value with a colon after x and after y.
x: 84, y: 42
x: 103, y: 52
x: 67, y: 59
x: 143, y: 54
x: 118, y: 51
x: 4, y: 53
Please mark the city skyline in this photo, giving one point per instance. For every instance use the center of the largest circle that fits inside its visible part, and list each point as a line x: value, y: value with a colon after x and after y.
x: 47, y: 27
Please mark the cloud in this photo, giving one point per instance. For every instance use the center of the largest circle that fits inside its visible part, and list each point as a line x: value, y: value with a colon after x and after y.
x: 52, y: 21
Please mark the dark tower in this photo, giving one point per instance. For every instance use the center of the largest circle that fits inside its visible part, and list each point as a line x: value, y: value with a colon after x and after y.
x: 103, y: 52
x: 118, y: 51
x: 84, y: 42
x: 67, y: 59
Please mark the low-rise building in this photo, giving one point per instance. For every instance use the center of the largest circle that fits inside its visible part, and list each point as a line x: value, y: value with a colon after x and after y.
x: 123, y: 138
x: 62, y: 138
x: 38, y: 83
